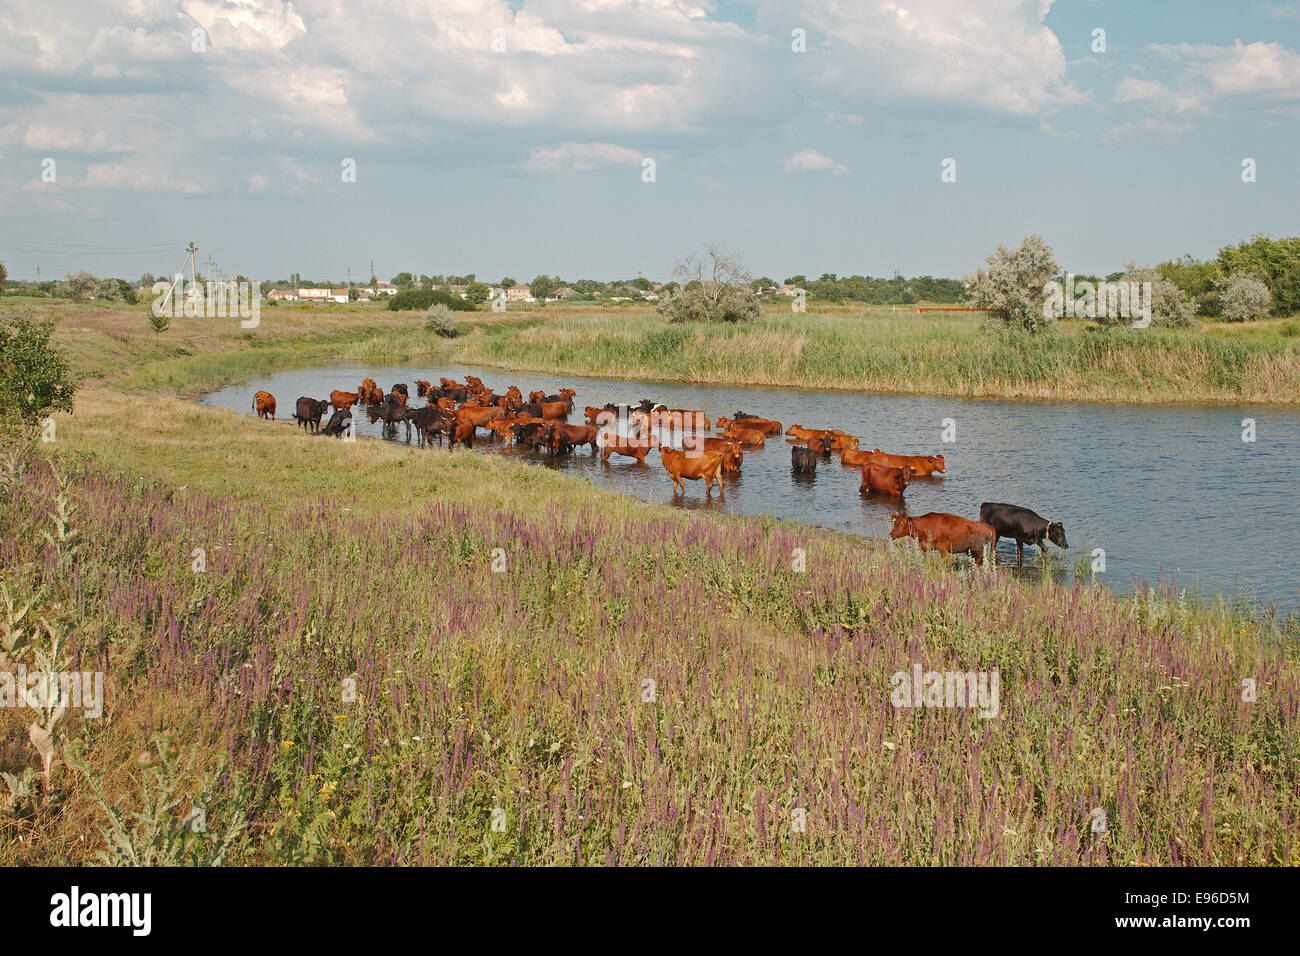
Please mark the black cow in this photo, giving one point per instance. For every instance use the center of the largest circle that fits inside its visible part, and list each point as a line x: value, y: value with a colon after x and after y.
x: 1023, y: 526
x: 430, y: 421
x: 339, y: 421
x: 400, y: 388
x: 308, y: 413
x: 803, y: 460
x: 458, y: 394
x: 390, y: 413
x: 531, y: 435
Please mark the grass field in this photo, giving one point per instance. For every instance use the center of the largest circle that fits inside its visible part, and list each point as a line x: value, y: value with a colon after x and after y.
x: 403, y: 656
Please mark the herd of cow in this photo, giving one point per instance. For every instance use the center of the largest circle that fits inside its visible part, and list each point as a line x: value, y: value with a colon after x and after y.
x: 455, y: 411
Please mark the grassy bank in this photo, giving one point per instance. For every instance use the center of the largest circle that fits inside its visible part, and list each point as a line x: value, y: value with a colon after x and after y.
x: 882, y: 351
x: 832, y: 347
x: 387, y: 650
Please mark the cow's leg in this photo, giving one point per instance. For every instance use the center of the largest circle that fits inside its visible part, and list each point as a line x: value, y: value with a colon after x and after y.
x: 1020, y: 553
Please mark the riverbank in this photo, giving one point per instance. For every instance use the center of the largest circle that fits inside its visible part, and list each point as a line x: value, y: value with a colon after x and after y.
x: 831, y: 347
x: 389, y: 655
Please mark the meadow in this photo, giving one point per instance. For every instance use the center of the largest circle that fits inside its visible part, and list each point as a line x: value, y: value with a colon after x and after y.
x: 366, y: 653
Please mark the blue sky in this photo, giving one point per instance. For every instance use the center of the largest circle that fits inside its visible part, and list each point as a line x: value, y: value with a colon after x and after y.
x: 529, y: 159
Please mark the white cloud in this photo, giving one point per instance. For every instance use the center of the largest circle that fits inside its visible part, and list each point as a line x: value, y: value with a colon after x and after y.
x: 811, y: 161
x: 580, y: 157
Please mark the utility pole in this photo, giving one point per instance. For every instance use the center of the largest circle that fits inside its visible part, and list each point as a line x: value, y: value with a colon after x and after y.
x: 189, y: 261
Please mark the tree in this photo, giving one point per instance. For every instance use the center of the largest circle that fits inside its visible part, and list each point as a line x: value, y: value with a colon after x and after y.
x: 478, y: 292
x: 1275, y: 261
x: 403, y: 280
x: 3, y: 274
x: 716, y: 290
x: 508, y: 281
x: 797, y: 281
x: 1012, y: 289
x: 759, y: 285
x: 541, y: 287
x: 147, y: 280
x: 160, y: 322
x: 35, y: 377
x: 1245, y: 298
x: 79, y: 286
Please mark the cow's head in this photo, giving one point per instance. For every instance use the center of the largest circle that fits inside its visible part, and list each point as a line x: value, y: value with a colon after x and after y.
x: 937, y: 461
x: 1056, y: 534
x: 902, y: 526
x: 908, y: 473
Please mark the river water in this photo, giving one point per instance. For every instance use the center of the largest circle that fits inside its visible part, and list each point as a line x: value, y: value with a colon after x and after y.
x: 1170, y: 493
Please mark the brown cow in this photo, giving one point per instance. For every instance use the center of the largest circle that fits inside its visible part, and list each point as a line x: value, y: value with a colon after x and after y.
x: 765, y: 425
x: 884, y: 480
x: 475, y: 383
x: 948, y: 533
x: 746, y: 436
x: 367, y: 386
x: 611, y: 443
x: 679, y: 465
x: 803, y: 434
x: 593, y: 414
x: 505, y: 427
x: 819, y: 447
x: 422, y: 388
x: 923, y: 465
x: 479, y: 416
x: 855, y: 458
x: 264, y: 405
x: 732, y: 454
x: 450, y: 383
x: 562, y: 437
x: 462, y: 433
x: 555, y: 409
x: 341, y: 400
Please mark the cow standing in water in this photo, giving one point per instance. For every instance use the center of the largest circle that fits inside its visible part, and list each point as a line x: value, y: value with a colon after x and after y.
x: 946, y: 533
x: 1022, y: 526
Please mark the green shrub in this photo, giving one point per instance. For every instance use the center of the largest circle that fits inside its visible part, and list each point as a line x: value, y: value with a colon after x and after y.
x: 411, y: 299
x: 34, y: 375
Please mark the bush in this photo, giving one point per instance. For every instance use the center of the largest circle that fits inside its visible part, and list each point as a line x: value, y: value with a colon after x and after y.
x: 1011, y: 291
x: 411, y: 299
x: 1245, y: 298
x: 720, y: 294
x: 1170, y: 306
x: 1210, y: 305
x: 34, y: 375
x: 439, y: 319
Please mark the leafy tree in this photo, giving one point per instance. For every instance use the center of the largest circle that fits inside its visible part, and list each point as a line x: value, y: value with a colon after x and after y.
x: 1245, y: 298
x: 716, y: 290
x: 1275, y: 261
x: 79, y: 286
x: 800, y: 280
x: 541, y: 287
x: 3, y: 274
x: 147, y: 280
x: 478, y: 292
x: 160, y: 322
x: 1011, y: 289
x: 403, y: 280
x: 759, y: 285
x: 508, y: 281
x: 35, y: 376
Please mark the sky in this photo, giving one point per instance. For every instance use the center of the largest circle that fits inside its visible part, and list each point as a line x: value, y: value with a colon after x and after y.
x: 514, y: 138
